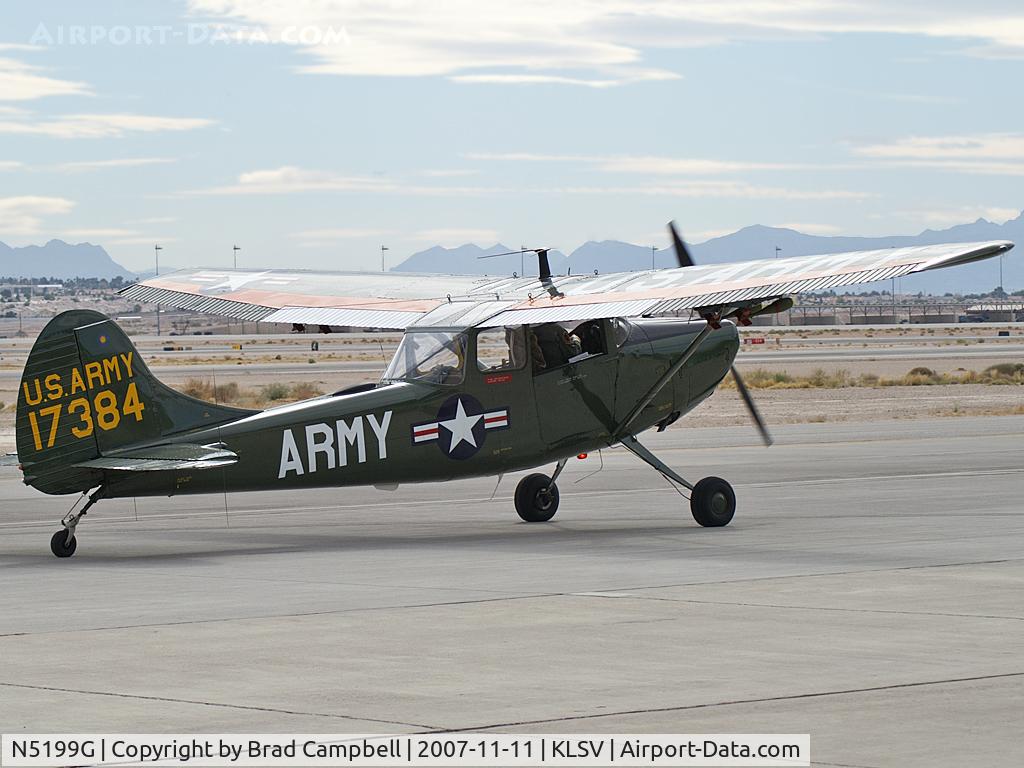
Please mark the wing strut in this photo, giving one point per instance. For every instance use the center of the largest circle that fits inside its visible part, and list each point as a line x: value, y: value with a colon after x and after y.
x: 623, y: 426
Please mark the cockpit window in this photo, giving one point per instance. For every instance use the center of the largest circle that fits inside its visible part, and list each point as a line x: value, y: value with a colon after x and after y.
x: 621, y: 328
x: 437, y: 357
x: 501, y: 349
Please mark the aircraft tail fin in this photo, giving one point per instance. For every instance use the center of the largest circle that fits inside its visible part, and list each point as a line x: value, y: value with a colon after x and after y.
x: 86, y: 392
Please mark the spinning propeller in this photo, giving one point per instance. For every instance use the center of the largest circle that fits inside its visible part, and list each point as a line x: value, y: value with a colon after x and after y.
x: 684, y: 259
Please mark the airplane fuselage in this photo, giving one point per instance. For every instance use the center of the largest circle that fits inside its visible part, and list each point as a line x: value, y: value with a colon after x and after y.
x: 409, y: 432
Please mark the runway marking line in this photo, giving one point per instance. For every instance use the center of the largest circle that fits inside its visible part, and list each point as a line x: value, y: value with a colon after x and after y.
x: 737, y: 702
x: 173, y: 700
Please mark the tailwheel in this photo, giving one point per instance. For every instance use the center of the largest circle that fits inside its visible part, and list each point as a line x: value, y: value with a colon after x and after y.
x: 63, y: 543
x: 712, y: 502
x: 536, y: 498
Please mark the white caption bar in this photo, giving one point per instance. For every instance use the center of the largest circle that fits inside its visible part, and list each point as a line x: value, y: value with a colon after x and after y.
x: 447, y: 749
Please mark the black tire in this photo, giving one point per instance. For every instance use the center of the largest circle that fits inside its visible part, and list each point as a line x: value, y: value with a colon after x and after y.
x: 712, y: 502
x: 536, y: 498
x: 60, y: 546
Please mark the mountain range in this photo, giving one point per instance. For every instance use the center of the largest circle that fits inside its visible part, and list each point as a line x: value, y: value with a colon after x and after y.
x: 61, y: 260
x: 754, y: 242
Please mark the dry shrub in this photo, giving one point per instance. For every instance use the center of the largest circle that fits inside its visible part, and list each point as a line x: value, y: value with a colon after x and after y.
x: 274, y: 391
x: 227, y: 393
x: 198, y: 388
x: 305, y: 390
x: 834, y: 380
x: 1004, y: 373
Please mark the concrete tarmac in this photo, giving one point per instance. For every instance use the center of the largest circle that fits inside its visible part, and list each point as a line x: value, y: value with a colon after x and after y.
x: 870, y: 592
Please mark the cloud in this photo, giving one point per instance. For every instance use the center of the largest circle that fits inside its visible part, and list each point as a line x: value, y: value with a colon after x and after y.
x: 11, y: 165
x: 587, y: 43
x: 647, y: 165
x: 442, y: 173
x: 290, y: 179
x: 149, y: 240
x: 991, y: 153
x: 947, y: 217
x: 451, y: 236
x: 812, y: 229
x: 121, y: 162
x: 718, y: 189
x: 339, y: 233
x: 97, y: 126
x: 293, y: 180
x: 23, y: 82
x: 20, y: 216
x: 525, y: 42
x: 523, y: 78
x: 100, y: 233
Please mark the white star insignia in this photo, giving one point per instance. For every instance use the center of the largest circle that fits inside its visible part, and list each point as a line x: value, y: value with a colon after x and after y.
x: 234, y: 282
x: 461, y: 427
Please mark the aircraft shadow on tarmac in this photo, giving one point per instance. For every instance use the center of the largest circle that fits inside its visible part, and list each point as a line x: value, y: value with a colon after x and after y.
x: 172, y: 545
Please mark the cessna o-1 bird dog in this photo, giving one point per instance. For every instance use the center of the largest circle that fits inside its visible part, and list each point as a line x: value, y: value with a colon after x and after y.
x: 493, y: 375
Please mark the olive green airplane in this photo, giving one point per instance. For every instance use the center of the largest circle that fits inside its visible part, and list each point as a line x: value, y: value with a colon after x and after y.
x: 493, y: 375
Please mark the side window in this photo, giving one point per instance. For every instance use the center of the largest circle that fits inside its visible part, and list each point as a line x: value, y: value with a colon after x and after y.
x: 590, y: 337
x: 620, y: 327
x: 501, y: 349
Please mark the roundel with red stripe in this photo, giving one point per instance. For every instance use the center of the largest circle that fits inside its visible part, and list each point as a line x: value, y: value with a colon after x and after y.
x: 461, y: 427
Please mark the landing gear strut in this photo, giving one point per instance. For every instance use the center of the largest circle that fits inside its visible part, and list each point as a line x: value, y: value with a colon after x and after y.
x: 537, y: 496
x: 712, y: 500
x: 63, y: 543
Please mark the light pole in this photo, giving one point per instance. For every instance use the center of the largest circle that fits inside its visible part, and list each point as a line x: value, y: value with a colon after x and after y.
x: 382, y: 249
x: 156, y: 254
x: 234, y: 255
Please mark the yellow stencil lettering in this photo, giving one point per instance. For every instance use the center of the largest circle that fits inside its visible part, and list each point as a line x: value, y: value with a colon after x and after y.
x: 94, y: 374
x: 77, y: 383
x: 53, y: 412
x: 54, y: 389
x: 86, y: 428
x: 28, y: 395
x: 127, y: 360
x: 34, y: 423
x: 111, y: 368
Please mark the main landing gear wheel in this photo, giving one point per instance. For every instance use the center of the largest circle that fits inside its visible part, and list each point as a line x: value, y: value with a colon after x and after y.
x: 712, y: 502
x: 536, y: 498
x: 63, y: 546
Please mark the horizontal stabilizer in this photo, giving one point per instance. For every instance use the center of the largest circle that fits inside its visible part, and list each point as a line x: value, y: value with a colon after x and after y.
x: 160, y: 458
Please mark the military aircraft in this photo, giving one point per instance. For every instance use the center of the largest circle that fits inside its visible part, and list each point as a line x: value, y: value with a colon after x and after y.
x: 493, y: 375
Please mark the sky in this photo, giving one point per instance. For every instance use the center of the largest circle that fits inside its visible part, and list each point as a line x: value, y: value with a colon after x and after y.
x: 309, y: 133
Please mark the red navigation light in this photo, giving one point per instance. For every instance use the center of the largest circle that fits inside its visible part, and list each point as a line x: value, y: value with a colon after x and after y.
x: 581, y: 456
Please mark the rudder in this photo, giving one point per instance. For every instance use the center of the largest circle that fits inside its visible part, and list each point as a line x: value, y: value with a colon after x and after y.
x: 85, y: 392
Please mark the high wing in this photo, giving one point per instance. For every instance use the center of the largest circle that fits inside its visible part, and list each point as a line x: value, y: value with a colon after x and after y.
x: 399, y: 300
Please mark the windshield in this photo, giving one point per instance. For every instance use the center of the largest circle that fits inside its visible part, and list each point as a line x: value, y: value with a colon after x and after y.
x: 437, y: 357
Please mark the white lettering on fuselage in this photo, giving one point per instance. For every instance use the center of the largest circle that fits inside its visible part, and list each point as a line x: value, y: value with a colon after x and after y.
x: 327, y: 445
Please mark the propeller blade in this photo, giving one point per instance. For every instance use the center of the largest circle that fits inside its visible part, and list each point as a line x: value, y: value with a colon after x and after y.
x: 682, y: 252
x: 751, y: 407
